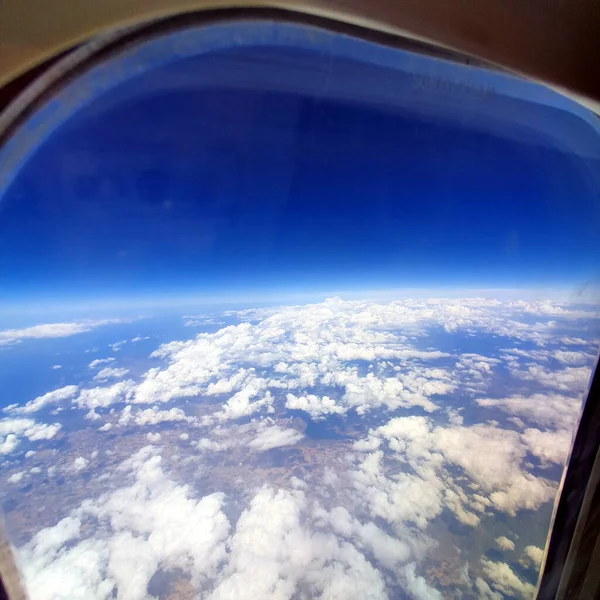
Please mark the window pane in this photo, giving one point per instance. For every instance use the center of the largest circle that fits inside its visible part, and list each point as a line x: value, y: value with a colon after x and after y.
x: 288, y: 314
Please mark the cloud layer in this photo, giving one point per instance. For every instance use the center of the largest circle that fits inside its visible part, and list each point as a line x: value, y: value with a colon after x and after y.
x: 326, y: 450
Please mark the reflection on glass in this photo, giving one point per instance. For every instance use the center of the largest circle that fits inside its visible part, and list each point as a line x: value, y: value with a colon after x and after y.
x: 291, y: 315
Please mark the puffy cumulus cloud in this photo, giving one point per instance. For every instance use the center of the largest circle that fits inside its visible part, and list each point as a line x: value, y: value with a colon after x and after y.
x: 296, y: 347
x: 12, y: 430
x: 51, y: 330
x: 153, y: 416
x: 259, y: 436
x: 398, y: 498
x: 548, y: 446
x: 502, y: 578
x: 316, y: 406
x: 110, y: 373
x: 273, y: 554
x: 101, y: 397
x: 101, y: 361
x: 16, y: 477
x: 546, y: 410
x: 532, y: 556
x: 80, y: 463
x: 477, y: 368
x: 150, y: 525
x: 485, y: 592
x: 568, y: 357
x: 287, y: 352
x: 504, y: 543
x: 570, y: 379
x: 418, y: 587
x: 388, y: 551
x: 8, y: 443
x: 274, y: 437
x: 493, y: 459
x: 413, y: 389
x: 50, y: 398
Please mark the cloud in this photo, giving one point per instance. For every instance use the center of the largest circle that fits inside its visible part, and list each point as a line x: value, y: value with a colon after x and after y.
x: 153, y: 416
x: 571, y: 379
x: 504, y: 543
x: 259, y: 436
x: 492, y: 458
x: 100, y: 361
x: 502, y: 578
x: 80, y: 463
x: 16, y: 477
x: 417, y: 586
x: 546, y: 410
x: 11, y: 431
x: 351, y: 517
x: 315, y: 406
x: 109, y: 372
x: 51, y: 330
x: 532, y: 556
x: 101, y: 397
x: 272, y: 554
x: 275, y: 437
x: 548, y: 446
x: 148, y: 525
x: 8, y: 443
x: 54, y: 397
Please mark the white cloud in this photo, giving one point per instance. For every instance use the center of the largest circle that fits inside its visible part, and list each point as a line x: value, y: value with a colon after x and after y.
x: 504, y: 543
x: 275, y: 437
x: 548, y: 446
x: 153, y: 416
x: 16, y: 477
x: 357, y: 523
x: 80, y: 463
x: 316, y: 406
x: 11, y: 430
x: 532, y: 556
x: 493, y: 459
x: 570, y: 379
x: 51, y: 330
x: 110, y: 373
x: 100, y: 361
x: 502, y: 578
x: 272, y: 555
x: 8, y: 443
x: 417, y: 586
x: 150, y: 524
x: 53, y: 397
x: 546, y: 410
x: 101, y: 397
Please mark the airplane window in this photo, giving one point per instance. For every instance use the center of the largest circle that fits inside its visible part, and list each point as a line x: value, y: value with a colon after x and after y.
x: 290, y: 314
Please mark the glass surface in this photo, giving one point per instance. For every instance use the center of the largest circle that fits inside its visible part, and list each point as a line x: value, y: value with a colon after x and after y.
x: 287, y: 314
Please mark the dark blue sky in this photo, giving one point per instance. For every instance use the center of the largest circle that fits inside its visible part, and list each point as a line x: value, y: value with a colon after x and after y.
x: 166, y: 186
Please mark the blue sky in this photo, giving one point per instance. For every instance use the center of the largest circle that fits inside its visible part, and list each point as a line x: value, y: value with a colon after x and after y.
x: 163, y: 188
